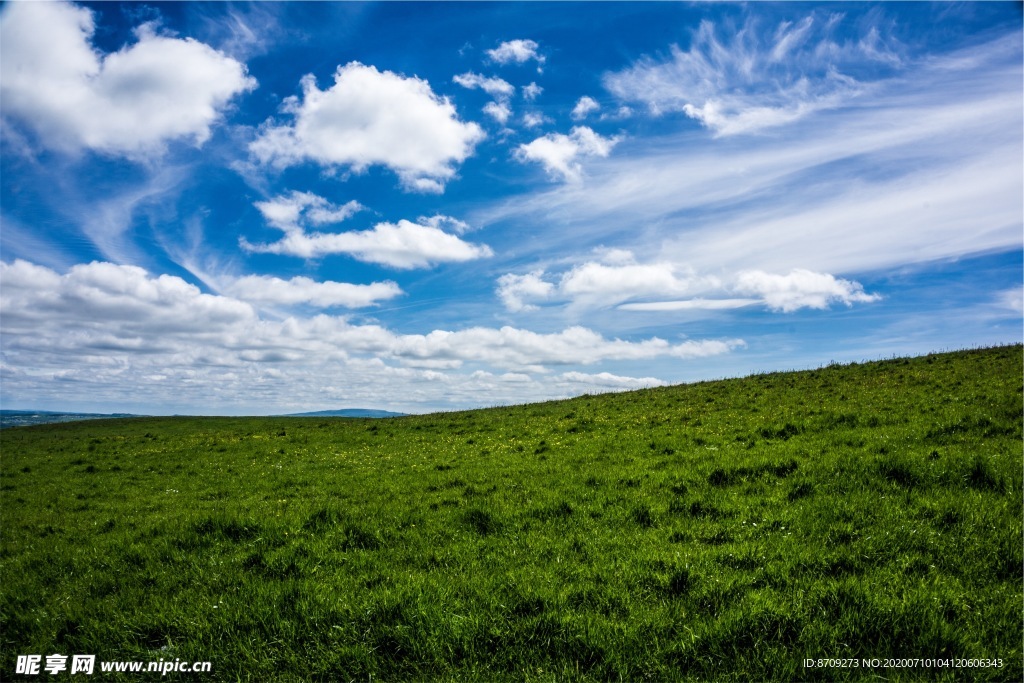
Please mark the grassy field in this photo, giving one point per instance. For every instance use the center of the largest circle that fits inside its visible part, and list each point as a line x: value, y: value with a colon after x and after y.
x: 723, y: 530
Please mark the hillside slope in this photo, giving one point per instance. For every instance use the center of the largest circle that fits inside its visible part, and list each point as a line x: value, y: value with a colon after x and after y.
x: 724, y: 530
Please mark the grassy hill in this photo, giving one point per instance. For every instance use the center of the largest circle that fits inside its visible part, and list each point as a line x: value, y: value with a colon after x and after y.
x: 723, y: 530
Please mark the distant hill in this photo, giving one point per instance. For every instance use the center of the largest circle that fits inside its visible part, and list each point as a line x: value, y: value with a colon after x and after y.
x: 24, y: 418
x: 348, y: 412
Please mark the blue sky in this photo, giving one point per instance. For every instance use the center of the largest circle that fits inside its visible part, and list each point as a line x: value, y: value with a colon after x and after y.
x: 273, y: 207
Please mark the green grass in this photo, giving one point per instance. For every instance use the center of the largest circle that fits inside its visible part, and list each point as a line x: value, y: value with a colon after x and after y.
x: 722, y: 530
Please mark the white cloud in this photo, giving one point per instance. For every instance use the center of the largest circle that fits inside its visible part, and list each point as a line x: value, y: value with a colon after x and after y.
x: 245, y: 32
x: 697, y: 304
x: 440, y: 222
x: 558, y: 153
x: 531, y: 92
x: 264, y: 289
x: 606, y: 379
x: 533, y: 119
x: 286, y: 211
x: 1012, y: 299
x: 602, y: 284
x: 501, y: 90
x: 749, y: 81
x: 623, y: 112
x: 878, y: 49
x: 605, y: 285
x: 493, y: 86
x: 401, y: 245
x: 615, y: 256
x: 368, y: 117
x: 129, y: 102
x: 499, y: 111
x: 617, y: 280
x: 584, y: 106
x: 512, y: 347
x: 518, y: 51
x: 515, y: 290
x: 801, y: 289
x: 97, y: 295
x: 789, y: 37
x: 566, y: 384
x: 119, y: 332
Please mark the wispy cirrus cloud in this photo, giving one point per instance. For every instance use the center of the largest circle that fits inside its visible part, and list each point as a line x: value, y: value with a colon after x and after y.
x: 931, y: 170
x: 754, y: 78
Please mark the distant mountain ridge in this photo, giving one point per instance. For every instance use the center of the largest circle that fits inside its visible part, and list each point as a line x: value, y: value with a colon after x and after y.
x: 348, y: 412
x: 23, y: 418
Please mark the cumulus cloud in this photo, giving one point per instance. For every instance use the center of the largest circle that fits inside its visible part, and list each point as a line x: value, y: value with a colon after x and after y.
x: 532, y: 92
x: 493, y: 86
x: 512, y: 347
x: 516, y: 290
x: 598, y: 283
x: 130, y: 102
x: 584, y: 106
x: 369, y: 117
x: 122, y: 329
x: 501, y: 90
x: 558, y: 153
x: 97, y: 295
x: 402, y: 245
x: 517, y: 51
x: 287, y: 211
x: 499, y: 111
x: 752, y: 80
x: 108, y: 299
x: 801, y: 289
x: 265, y: 289
x: 616, y: 280
x: 613, y: 278
x: 532, y: 119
